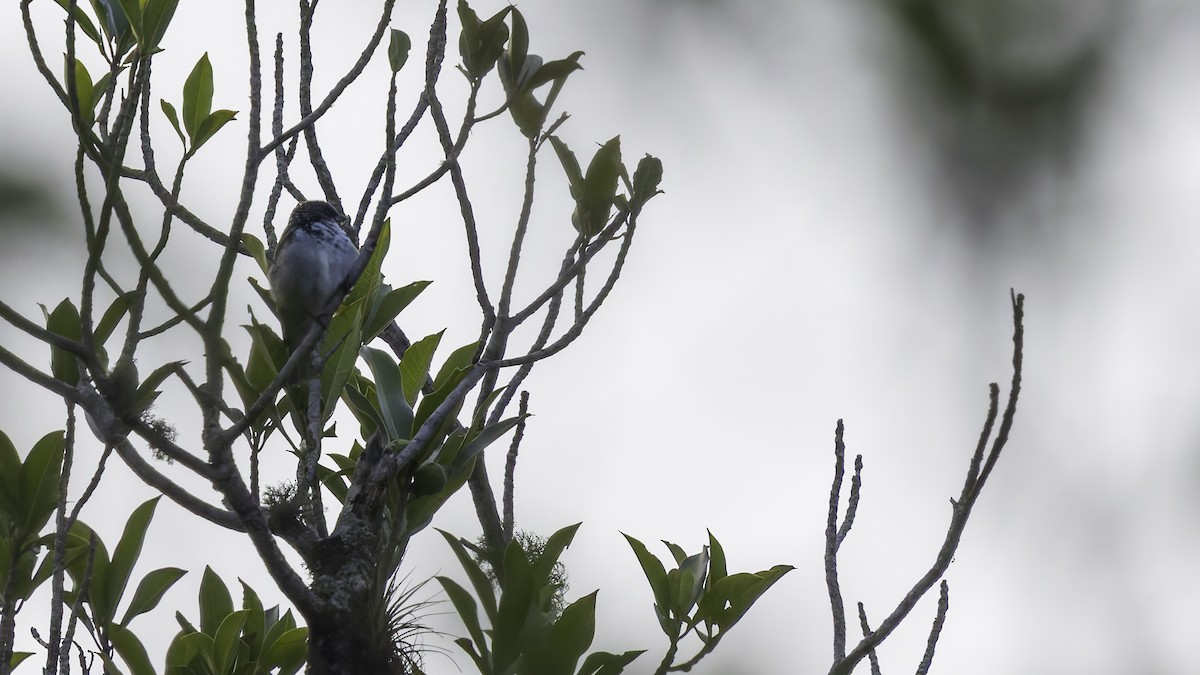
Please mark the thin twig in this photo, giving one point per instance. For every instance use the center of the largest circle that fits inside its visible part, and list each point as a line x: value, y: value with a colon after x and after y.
x: 577, y: 328
x: 47, y: 382
x: 866, y: 631
x: 566, y: 276
x: 59, y: 560
x: 338, y: 88
x: 972, y: 487
x: 852, y: 505
x: 831, y: 530
x: 510, y: 466
x: 936, y: 629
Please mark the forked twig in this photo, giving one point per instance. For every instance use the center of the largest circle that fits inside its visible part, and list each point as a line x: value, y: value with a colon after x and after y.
x: 980, y: 468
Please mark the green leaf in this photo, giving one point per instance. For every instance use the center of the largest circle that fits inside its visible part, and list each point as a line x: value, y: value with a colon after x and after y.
x: 518, y: 598
x: 127, y: 551
x: 367, y: 286
x: 481, y: 44
x: 10, y: 478
x: 17, y: 658
x: 481, y: 662
x: 551, y: 550
x: 131, y: 650
x: 288, y: 652
x: 388, y: 306
x: 255, y: 628
x: 115, y: 22
x: 518, y: 43
x: 173, y: 118
x: 257, y: 250
x: 479, y: 580
x: 716, y: 560
x: 398, y: 48
x: 334, y: 482
x: 39, y: 486
x: 593, y: 207
x: 570, y: 165
x: 83, y: 21
x: 75, y: 549
x: 83, y: 93
x: 210, y: 126
x: 656, y: 574
x: 470, y: 31
x: 215, y: 602
x: 710, y: 605
x: 151, y: 590
x: 191, y: 653
x: 468, y: 612
x: 646, y: 179
x: 226, y: 640
x: 456, y: 367
x: 147, y: 391
x: 368, y: 416
x: 573, y: 632
x: 197, y: 96
x: 676, y: 551
x: 343, y: 338
x: 112, y: 316
x: 529, y: 115
x: 414, y: 366
x: 461, y: 359
x: 483, y: 439
x: 79, y: 538
x: 17, y: 566
x: 276, y: 629
x: 268, y: 353
x: 554, y: 70
x: 389, y: 390
x: 100, y: 88
x: 156, y: 17
x: 64, y: 321
x: 605, y: 663
x: 740, y: 591
x: 127, y: 11
x: 691, y: 581
x: 421, y: 510
x: 109, y: 586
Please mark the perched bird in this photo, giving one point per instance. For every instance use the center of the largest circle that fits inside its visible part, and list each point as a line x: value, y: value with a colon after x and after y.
x: 312, y: 265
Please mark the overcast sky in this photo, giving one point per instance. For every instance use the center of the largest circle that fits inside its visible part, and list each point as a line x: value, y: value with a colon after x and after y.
x: 842, y: 223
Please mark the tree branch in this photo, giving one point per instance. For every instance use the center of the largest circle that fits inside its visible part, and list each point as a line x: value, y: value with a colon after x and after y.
x: 972, y: 487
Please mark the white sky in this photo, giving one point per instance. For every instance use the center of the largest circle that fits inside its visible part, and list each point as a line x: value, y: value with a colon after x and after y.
x: 810, y: 260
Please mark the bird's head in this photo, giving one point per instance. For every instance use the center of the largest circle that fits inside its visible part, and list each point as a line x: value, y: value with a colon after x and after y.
x: 314, y: 211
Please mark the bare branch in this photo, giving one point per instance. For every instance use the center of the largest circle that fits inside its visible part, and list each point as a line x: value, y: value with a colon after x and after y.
x: 566, y: 276
x: 514, y: 254
x: 961, y: 512
x: 45, y: 335
x: 580, y: 323
x: 866, y: 631
x: 510, y: 466
x: 540, y: 341
x: 1014, y: 391
x: 335, y: 93
x: 47, y: 382
x: 315, y: 157
x: 54, y: 640
x: 831, y: 532
x: 852, y: 505
x: 467, y: 210
x: 936, y: 630
x: 173, y: 207
x: 283, y: 157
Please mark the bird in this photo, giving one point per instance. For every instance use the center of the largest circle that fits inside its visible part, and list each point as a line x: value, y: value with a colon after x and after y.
x: 312, y: 265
